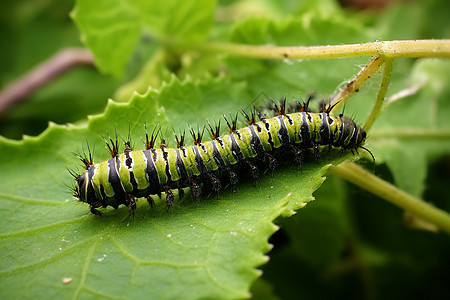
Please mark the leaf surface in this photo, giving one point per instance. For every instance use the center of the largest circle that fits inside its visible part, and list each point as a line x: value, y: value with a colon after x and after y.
x: 206, y: 250
x: 113, y: 29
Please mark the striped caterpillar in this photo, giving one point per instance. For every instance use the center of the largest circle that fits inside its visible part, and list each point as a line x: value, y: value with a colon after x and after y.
x: 209, y: 165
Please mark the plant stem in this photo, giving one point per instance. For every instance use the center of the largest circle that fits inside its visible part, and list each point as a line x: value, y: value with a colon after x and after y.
x: 356, y: 83
x: 368, y: 181
x: 392, y: 49
x: 387, y: 74
x: 42, y: 74
x: 411, y: 133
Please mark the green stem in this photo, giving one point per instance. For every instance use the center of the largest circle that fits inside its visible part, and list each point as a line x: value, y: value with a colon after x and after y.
x: 356, y: 83
x: 391, y: 193
x: 387, y: 74
x: 411, y: 133
x: 391, y: 49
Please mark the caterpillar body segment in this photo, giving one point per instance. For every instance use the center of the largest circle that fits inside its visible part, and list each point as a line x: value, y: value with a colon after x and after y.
x: 205, y: 165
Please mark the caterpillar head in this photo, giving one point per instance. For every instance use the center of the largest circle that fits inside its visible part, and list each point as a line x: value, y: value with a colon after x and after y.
x: 80, y: 188
x: 360, y: 137
x: 352, y: 135
x: 83, y: 189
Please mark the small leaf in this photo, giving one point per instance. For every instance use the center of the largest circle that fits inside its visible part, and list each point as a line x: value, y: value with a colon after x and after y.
x: 112, y: 29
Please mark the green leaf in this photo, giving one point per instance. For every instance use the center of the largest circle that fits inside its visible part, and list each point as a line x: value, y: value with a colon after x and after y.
x: 423, y: 118
x: 296, y: 78
x: 212, y: 250
x: 193, y: 251
x: 113, y: 29
x: 320, y: 216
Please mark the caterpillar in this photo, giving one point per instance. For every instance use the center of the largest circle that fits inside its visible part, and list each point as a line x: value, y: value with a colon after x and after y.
x: 209, y: 165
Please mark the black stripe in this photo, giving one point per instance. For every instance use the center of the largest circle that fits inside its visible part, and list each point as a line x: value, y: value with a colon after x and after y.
x: 216, y: 155
x: 91, y: 196
x: 226, y: 159
x: 114, y: 180
x: 129, y: 163
x: 291, y: 122
x: 102, y: 191
x: 152, y: 173
x: 352, y: 142
x: 133, y: 182
x: 324, y: 129
x: 129, y: 160
x: 283, y: 133
x: 91, y: 172
x: 267, y: 128
x: 166, y: 160
x: 342, y: 134
x: 199, y: 160
x: 235, y: 149
x: 181, y: 168
x: 304, y: 133
x: 255, y: 143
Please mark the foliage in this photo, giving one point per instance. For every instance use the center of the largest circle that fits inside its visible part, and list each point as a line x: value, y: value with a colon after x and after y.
x: 345, y: 244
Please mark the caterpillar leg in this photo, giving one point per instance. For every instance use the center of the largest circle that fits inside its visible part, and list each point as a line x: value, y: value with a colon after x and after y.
x: 234, y: 179
x: 95, y: 212
x: 150, y: 201
x: 273, y: 163
x: 132, y: 205
x: 180, y: 193
x: 215, y: 183
x: 254, y: 171
x: 169, y: 199
x: 196, y: 191
x: 316, y: 151
x: 298, y: 156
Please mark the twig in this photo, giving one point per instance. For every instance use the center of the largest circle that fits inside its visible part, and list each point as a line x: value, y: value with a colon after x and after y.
x: 387, y: 74
x: 387, y: 49
x: 356, y: 83
x: 42, y: 74
x: 391, y: 193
